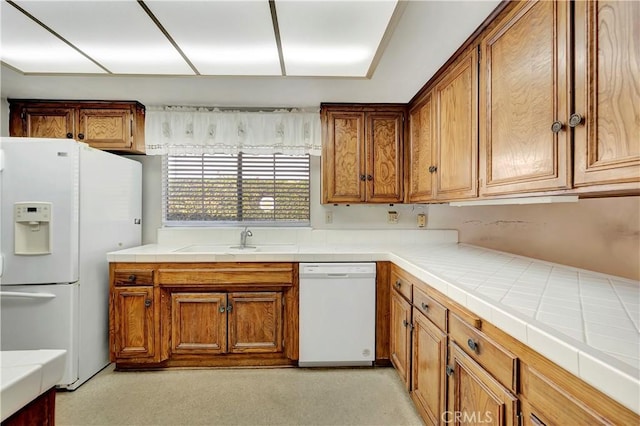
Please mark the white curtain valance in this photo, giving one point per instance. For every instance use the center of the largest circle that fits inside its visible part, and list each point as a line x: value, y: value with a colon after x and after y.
x: 197, y: 131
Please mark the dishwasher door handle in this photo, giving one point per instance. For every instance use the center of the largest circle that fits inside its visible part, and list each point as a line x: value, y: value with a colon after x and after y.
x: 337, y: 275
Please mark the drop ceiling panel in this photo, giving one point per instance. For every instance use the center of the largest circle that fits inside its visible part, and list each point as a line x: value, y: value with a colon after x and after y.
x: 332, y: 38
x: 28, y: 47
x: 117, y: 34
x: 222, y: 37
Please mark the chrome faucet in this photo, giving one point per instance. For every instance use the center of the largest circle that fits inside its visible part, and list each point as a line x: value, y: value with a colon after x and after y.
x: 243, y: 237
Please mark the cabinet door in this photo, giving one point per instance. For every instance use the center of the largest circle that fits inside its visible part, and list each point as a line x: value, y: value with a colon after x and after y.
x: 428, y: 382
x: 343, y: 174
x: 607, y: 94
x: 475, y: 397
x: 384, y: 156
x: 421, y: 151
x: 132, y: 323
x: 524, y: 90
x: 38, y: 122
x: 255, y: 322
x: 400, y: 337
x: 105, y: 128
x: 457, y: 132
x: 198, y: 323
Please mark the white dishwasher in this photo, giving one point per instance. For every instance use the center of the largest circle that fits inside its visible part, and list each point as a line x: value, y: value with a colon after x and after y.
x: 337, y: 314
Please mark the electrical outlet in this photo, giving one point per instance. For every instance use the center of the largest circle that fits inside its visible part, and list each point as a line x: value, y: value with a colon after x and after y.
x: 328, y: 217
x: 392, y: 217
x: 422, y: 220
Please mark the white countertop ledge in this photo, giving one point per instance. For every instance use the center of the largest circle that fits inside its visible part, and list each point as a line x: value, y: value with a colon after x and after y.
x: 25, y: 375
x: 584, y: 321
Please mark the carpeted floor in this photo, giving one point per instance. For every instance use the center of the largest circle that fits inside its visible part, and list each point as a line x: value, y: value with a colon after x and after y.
x: 286, y: 396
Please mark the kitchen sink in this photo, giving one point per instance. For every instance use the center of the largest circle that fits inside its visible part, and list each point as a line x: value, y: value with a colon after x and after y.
x: 226, y: 249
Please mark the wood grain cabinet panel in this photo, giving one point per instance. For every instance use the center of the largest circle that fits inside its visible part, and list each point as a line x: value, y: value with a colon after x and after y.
x: 428, y: 371
x: 132, y: 323
x: 198, y: 323
x: 524, y: 74
x: 362, y: 160
x: 400, y: 337
x: 607, y: 93
x: 255, y: 322
x: 443, y: 139
x: 112, y: 126
x: 422, y: 151
x: 475, y: 396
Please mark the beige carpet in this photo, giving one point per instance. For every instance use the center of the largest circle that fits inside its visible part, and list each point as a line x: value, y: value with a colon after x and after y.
x: 287, y: 396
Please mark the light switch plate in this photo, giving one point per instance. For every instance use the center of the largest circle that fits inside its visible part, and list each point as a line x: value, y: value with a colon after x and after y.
x: 392, y: 217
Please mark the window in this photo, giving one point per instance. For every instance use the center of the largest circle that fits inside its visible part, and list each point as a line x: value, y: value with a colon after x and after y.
x: 236, y: 189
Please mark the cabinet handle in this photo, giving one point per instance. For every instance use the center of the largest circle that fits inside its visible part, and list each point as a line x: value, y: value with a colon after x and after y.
x: 369, y: 177
x: 430, y: 169
x: 398, y: 283
x: 147, y: 303
x: 575, y: 120
x: 473, y: 345
x: 69, y: 135
x: 132, y: 278
x: 405, y: 323
x: 449, y: 370
x: 229, y: 307
x: 557, y: 126
x: 363, y: 177
x: 435, y: 169
x: 221, y: 309
x: 425, y: 307
x: 80, y: 136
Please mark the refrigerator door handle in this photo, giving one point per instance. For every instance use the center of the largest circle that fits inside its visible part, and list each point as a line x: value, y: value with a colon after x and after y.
x: 26, y: 295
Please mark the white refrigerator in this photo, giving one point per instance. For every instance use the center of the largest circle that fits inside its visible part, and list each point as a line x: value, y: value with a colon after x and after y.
x: 64, y: 205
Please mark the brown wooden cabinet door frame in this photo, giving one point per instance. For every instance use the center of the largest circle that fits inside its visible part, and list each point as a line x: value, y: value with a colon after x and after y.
x: 428, y: 372
x: 400, y: 337
x: 546, y: 166
x: 198, y: 323
x: 422, y: 151
x: 607, y: 92
x: 133, y: 321
x: 255, y: 322
x: 106, y: 128
x: 56, y: 123
x: 384, y: 171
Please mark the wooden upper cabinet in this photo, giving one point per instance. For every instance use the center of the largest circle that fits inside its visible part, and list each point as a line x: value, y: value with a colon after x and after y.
x: 456, y: 129
x: 362, y: 154
x: 111, y: 126
x: 524, y: 75
x: 421, y: 151
x: 607, y: 93
x: 343, y: 157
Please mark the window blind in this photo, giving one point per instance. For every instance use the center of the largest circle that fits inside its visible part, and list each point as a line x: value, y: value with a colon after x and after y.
x: 236, y: 189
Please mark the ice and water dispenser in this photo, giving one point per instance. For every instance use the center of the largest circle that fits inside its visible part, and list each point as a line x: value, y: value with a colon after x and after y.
x: 32, y: 228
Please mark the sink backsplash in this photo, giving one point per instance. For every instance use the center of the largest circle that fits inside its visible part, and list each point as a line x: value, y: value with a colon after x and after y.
x: 307, y: 236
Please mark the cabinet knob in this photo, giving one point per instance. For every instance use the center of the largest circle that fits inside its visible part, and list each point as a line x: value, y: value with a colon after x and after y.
x: 147, y: 303
x: 575, y: 120
x: 398, y: 283
x: 221, y: 309
x: 363, y: 177
x: 132, y: 278
x: 473, y: 345
x: 449, y: 370
x: 424, y: 306
x: 369, y: 177
x: 557, y: 126
x: 69, y: 135
x: 229, y: 307
x: 405, y: 323
x: 433, y: 169
x: 80, y: 136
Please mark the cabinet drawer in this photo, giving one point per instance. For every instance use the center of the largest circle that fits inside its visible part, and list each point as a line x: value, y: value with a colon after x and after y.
x: 499, y: 362
x: 129, y: 277
x: 431, y: 308
x: 402, y: 285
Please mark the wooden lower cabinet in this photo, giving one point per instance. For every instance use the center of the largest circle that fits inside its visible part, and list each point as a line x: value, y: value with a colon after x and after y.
x: 400, y: 336
x: 198, y: 323
x: 203, y: 314
x: 255, y: 322
x: 428, y: 372
x: 133, y: 324
x: 475, y: 397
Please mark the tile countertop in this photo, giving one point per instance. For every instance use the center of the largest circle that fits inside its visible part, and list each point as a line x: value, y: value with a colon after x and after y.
x: 584, y: 321
x: 25, y: 375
